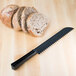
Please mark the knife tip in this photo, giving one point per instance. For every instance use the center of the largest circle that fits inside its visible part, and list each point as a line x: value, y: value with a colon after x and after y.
x: 70, y: 28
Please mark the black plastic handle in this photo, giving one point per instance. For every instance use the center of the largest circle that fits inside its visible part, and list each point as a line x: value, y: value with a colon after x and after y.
x: 23, y: 59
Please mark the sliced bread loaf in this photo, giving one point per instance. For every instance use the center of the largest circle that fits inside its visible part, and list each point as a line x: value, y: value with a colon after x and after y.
x: 26, y: 12
x: 16, y: 21
x: 7, y: 13
x: 36, y: 24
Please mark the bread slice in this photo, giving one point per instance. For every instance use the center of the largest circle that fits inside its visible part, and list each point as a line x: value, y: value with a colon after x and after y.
x: 7, y: 13
x: 36, y: 24
x: 16, y: 21
x: 26, y: 12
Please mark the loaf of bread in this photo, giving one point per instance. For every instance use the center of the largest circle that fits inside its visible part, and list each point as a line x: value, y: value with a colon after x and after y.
x: 24, y: 18
x: 7, y: 13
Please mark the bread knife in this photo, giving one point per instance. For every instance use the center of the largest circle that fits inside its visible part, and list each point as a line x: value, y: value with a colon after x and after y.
x: 41, y: 47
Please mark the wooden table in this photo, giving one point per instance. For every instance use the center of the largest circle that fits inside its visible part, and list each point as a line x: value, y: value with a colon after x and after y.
x: 57, y: 60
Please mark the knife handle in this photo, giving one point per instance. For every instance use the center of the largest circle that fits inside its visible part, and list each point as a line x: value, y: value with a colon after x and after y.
x: 23, y: 59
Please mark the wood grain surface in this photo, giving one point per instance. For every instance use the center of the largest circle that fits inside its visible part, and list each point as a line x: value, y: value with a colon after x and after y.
x: 57, y: 60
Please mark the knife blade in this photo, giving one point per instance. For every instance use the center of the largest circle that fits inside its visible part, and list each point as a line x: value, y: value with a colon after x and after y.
x: 41, y: 47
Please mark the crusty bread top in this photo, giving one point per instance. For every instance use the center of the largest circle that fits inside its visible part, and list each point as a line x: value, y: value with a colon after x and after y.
x: 9, y: 10
x: 26, y: 12
x: 36, y: 24
x: 7, y: 13
x: 16, y: 21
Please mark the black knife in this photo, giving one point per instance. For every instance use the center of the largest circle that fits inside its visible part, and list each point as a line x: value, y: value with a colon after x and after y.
x: 41, y: 47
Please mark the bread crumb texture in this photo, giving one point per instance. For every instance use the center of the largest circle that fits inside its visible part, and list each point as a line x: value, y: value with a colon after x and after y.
x: 37, y: 23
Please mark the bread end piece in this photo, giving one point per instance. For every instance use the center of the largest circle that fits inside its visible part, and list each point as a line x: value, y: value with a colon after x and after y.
x: 7, y: 13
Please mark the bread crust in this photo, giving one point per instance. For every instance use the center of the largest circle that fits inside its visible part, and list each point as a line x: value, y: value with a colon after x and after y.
x: 7, y: 13
x: 24, y: 18
x: 16, y: 21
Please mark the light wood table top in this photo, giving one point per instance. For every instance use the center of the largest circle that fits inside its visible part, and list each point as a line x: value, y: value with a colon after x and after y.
x: 57, y: 60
